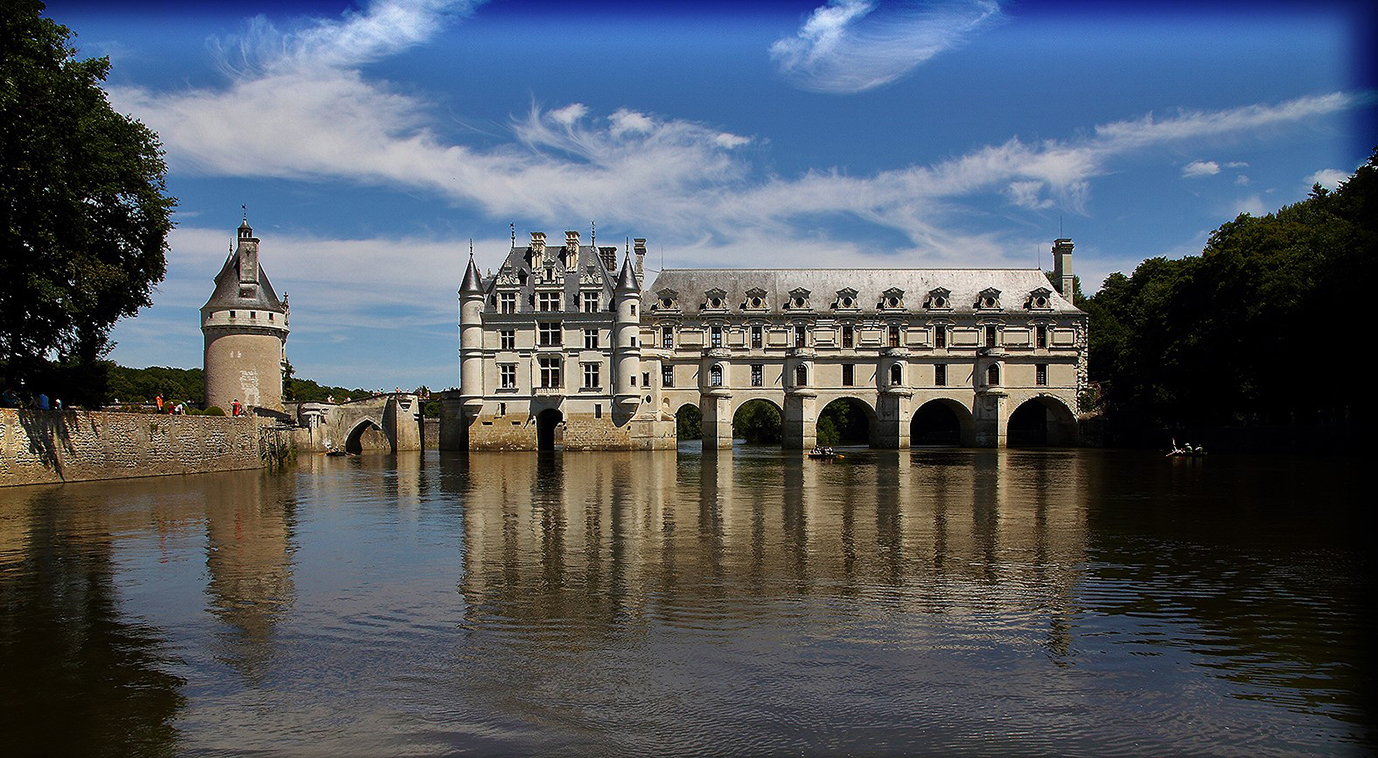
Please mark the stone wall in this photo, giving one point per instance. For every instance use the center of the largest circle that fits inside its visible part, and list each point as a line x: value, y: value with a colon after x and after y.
x: 44, y: 447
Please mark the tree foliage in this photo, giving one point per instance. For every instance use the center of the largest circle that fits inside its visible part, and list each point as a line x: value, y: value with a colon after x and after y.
x: 1260, y: 327
x: 83, y: 213
x: 757, y: 421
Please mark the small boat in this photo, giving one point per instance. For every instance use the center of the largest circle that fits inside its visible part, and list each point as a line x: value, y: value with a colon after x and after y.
x: 1185, y: 450
x: 823, y: 453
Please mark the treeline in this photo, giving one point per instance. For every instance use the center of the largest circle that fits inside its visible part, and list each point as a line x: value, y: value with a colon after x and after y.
x: 1263, y: 327
x: 142, y: 385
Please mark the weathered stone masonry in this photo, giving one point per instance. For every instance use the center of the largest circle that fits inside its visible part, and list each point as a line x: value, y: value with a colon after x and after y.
x: 46, y: 447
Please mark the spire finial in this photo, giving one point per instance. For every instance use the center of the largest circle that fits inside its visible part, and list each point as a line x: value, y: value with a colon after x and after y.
x: 471, y: 248
x: 593, y: 236
x: 245, y: 208
x: 514, y: 235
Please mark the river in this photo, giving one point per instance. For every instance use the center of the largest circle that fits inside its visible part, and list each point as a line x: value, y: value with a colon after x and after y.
x: 937, y: 601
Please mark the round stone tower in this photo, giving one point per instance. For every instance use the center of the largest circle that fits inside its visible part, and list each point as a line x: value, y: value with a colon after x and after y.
x: 245, y: 325
x: 626, y: 351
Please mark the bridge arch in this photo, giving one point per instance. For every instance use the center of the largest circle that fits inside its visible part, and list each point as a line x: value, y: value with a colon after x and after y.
x: 758, y: 419
x: 367, y: 435
x: 941, y: 421
x: 689, y: 421
x: 846, y: 420
x: 1039, y: 421
x: 548, y: 431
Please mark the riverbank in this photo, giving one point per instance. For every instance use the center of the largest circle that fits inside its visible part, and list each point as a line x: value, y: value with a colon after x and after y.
x: 50, y: 447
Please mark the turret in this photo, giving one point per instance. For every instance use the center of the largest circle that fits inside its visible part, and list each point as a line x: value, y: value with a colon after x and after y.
x: 626, y: 351
x: 471, y: 337
x: 1062, y: 267
x: 245, y: 328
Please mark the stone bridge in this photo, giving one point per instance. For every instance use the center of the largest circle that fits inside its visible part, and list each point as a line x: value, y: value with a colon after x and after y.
x: 383, y: 423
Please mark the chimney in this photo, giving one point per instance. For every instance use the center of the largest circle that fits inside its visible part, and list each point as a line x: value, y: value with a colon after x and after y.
x: 571, y: 242
x: 609, y: 257
x: 1062, y: 267
x: 639, y: 247
x: 538, y: 242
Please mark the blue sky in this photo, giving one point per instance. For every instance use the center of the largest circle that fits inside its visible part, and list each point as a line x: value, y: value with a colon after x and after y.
x: 372, y: 141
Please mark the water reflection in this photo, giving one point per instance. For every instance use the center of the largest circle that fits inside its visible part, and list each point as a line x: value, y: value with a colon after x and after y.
x: 80, y: 677
x: 587, y: 542
x: 934, y: 601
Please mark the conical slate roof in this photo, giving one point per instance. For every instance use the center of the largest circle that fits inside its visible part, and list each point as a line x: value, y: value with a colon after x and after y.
x: 229, y: 294
x: 473, y: 281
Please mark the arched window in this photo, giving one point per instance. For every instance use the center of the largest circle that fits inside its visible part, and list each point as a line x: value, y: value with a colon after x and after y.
x: 801, y: 376
x: 715, y: 375
x: 993, y: 375
x: 896, y: 374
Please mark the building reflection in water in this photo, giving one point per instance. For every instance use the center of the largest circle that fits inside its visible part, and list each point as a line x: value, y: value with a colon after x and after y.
x: 249, y: 523
x: 563, y: 549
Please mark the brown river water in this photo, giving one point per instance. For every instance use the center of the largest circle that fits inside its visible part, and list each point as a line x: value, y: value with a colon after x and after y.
x: 925, y: 602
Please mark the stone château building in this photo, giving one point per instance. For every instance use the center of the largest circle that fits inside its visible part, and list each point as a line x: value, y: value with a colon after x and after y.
x: 563, y: 347
x: 245, y: 327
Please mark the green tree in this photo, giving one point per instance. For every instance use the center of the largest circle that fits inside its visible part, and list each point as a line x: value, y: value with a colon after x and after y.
x: 757, y: 421
x: 83, y: 210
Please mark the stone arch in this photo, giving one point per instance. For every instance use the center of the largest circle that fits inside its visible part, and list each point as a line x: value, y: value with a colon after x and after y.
x: 850, y: 435
x: 689, y: 421
x: 367, y: 436
x: 942, y: 421
x: 758, y: 425
x: 1042, y: 420
x: 548, y: 432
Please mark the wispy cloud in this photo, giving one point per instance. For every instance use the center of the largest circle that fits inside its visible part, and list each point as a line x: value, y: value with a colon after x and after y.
x: 856, y: 45
x: 305, y: 110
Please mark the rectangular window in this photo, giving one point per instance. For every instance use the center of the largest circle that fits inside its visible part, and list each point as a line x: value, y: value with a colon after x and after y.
x: 550, y: 373
x: 1041, y: 374
x: 940, y: 375
x: 893, y: 335
x: 507, y: 376
x: 507, y: 302
x: 715, y: 336
x: 547, y: 301
x: 990, y: 335
x: 940, y: 336
x: 549, y: 334
x: 645, y: 378
x: 757, y: 375
x: 591, y: 376
x: 590, y: 302
x: 756, y: 335
x: 590, y: 339
x: 231, y: 314
x: 667, y: 376
x: 1041, y: 336
x: 848, y: 375
x: 507, y: 339
x: 667, y: 337
x: 253, y: 314
x: 800, y: 335
x: 847, y: 335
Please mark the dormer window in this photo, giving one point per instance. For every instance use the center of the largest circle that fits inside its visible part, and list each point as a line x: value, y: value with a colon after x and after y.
x: 939, y: 299
x: 715, y: 299
x: 892, y: 299
x: 1040, y: 299
x: 755, y: 299
x: 799, y: 298
x: 667, y: 300
x: 846, y: 299
x: 989, y: 299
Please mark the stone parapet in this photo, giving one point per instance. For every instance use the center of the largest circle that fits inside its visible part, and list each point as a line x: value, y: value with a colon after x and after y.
x: 46, y: 447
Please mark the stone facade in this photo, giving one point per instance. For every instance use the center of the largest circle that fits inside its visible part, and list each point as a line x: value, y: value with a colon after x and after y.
x: 245, y: 328
x: 560, y: 349
x: 43, y: 447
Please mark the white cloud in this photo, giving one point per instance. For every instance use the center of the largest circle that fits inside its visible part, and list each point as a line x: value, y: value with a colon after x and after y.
x: 1252, y: 205
x: 1242, y: 180
x: 857, y: 45
x: 1200, y: 168
x: 1329, y: 178
x: 309, y: 113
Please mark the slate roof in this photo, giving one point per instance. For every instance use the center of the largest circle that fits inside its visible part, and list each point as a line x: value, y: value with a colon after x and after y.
x: 226, y: 294
x: 964, y: 284
x: 519, y: 260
